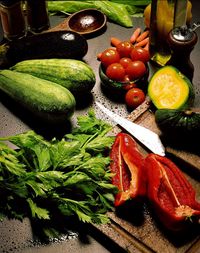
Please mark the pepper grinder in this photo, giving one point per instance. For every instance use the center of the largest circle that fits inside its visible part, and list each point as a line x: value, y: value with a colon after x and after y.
x: 181, y: 42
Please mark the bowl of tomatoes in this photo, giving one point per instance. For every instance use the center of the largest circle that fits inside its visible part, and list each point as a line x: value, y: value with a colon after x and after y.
x: 123, y: 67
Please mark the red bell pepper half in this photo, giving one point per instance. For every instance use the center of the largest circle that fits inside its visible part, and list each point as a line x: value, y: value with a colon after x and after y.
x: 127, y: 166
x: 171, y: 195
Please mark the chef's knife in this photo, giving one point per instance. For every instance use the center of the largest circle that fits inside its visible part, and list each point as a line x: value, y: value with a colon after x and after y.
x: 147, y: 137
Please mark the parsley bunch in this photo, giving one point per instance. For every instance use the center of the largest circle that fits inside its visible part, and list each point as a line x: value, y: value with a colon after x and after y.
x: 68, y: 177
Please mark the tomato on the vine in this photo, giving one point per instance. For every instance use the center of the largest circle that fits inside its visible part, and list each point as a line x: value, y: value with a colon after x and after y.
x: 124, y: 48
x: 136, y: 69
x: 109, y: 56
x: 140, y: 54
x: 134, y: 97
x: 115, y: 71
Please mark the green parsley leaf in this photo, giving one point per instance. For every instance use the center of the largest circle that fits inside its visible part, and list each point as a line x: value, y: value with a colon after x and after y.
x: 44, y: 179
x: 38, y: 212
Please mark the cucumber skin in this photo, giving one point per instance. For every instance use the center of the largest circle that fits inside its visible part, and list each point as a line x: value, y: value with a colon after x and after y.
x: 74, y: 75
x: 47, y: 100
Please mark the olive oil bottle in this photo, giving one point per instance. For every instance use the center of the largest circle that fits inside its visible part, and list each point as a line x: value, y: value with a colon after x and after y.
x: 165, y: 16
x: 161, y: 23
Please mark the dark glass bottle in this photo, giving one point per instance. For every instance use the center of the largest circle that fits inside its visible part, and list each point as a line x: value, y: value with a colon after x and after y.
x: 37, y: 15
x: 12, y: 19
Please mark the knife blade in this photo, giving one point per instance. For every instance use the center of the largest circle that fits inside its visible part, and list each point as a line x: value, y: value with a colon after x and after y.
x: 147, y: 137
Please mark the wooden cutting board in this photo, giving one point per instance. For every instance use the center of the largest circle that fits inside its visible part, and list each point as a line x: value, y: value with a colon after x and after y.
x: 133, y: 227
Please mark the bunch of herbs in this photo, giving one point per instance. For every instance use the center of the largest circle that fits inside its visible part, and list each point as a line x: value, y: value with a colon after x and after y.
x: 70, y: 177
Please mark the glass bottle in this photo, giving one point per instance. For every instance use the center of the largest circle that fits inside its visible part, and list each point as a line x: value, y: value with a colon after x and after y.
x: 12, y: 19
x: 37, y: 15
x: 161, y: 23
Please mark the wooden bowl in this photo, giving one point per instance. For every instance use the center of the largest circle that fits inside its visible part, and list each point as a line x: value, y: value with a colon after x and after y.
x: 87, y: 21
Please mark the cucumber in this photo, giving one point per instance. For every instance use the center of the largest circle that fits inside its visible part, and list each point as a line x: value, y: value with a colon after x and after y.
x: 75, y: 75
x: 45, y: 99
x: 52, y: 44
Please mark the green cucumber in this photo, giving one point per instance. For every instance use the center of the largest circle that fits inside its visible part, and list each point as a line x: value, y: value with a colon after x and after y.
x: 74, y: 75
x: 45, y: 99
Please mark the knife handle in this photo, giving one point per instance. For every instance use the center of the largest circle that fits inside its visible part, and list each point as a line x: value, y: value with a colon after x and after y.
x: 181, y: 44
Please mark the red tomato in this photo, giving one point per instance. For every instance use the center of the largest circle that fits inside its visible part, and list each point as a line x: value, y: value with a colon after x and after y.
x: 130, y: 86
x: 126, y: 78
x: 124, y: 48
x: 109, y: 56
x: 124, y: 61
x: 115, y: 71
x: 136, y: 69
x: 140, y: 54
x: 134, y: 97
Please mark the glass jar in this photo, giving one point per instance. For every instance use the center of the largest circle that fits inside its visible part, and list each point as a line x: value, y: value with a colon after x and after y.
x: 37, y: 15
x: 12, y: 19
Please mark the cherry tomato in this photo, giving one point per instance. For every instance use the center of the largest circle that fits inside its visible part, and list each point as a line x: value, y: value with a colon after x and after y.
x: 134, y: 97
x: 129, y: 86
x: 124, y: 61
x: 126, y: 78
x: 136, y: 69
x: 124, y: 48
x: 109, y: 56
x: 115, y: 71
x: 140, y: 54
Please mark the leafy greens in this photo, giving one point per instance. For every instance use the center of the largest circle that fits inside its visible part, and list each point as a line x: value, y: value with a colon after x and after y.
x: 118, y: 11
x: 68, y: 177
